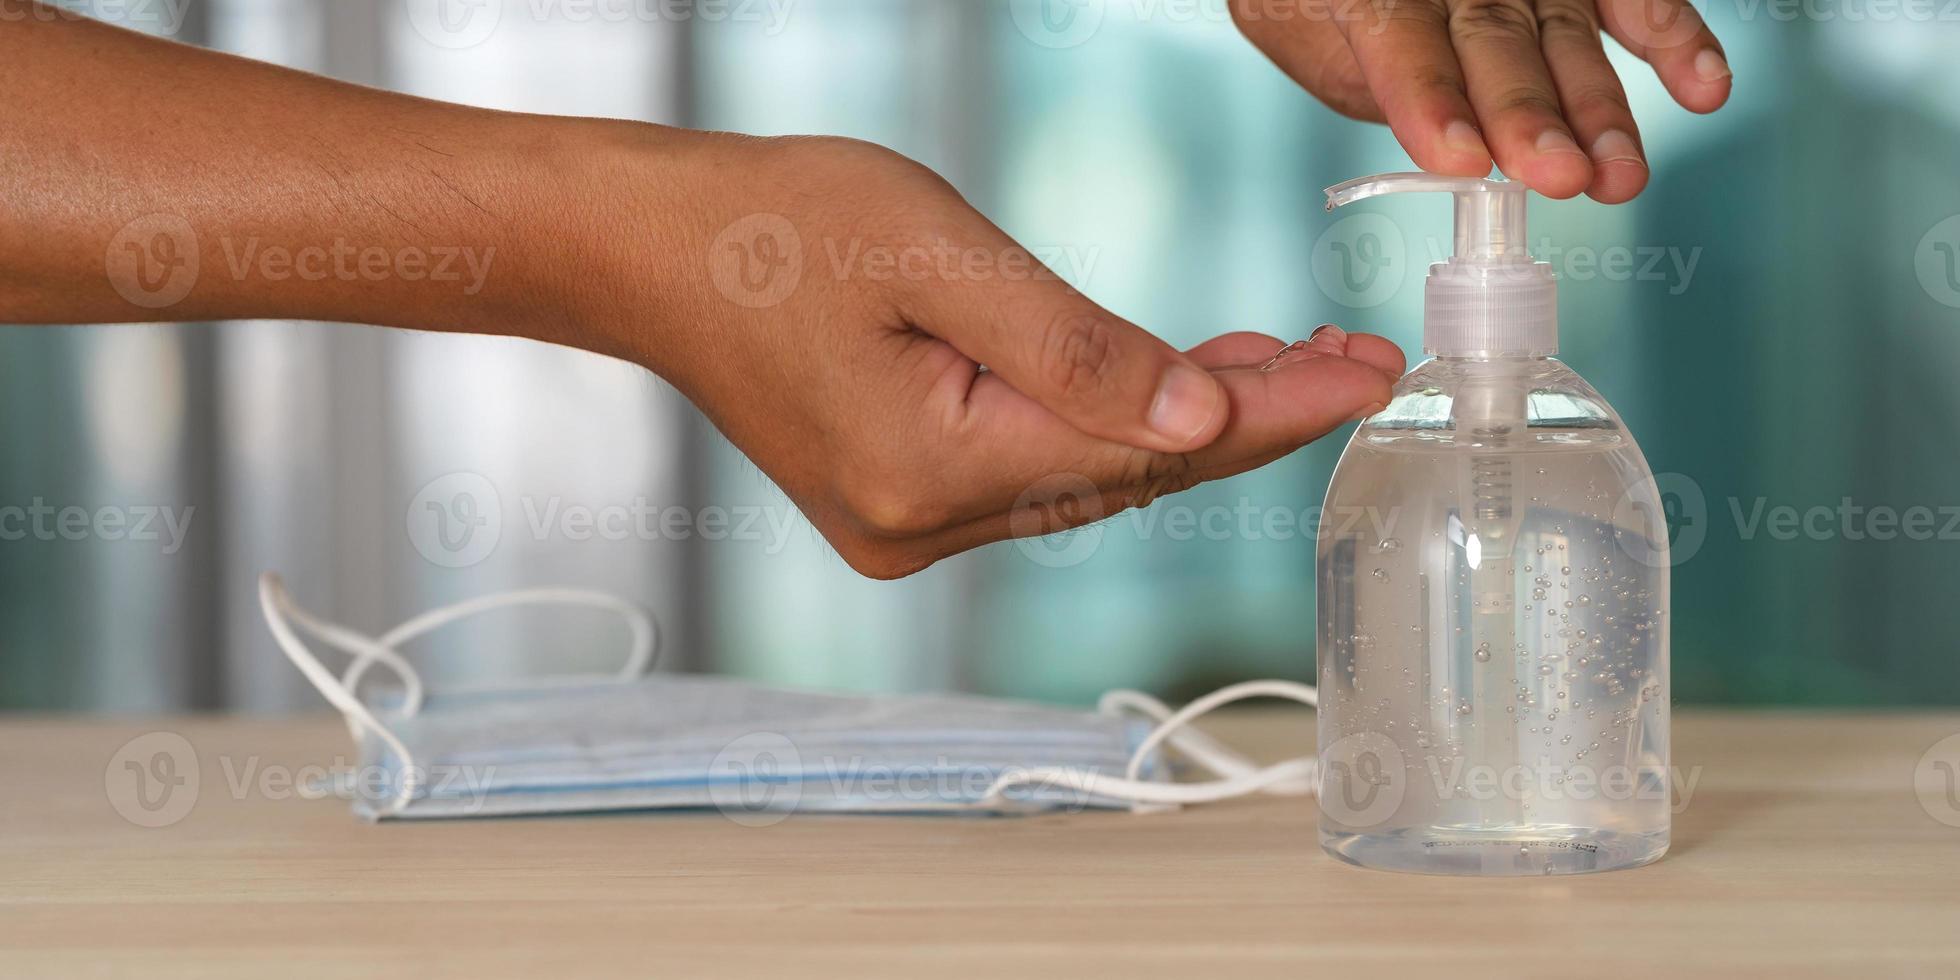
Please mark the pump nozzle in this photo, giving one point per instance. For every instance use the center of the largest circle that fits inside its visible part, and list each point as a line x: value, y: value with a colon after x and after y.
x: 1490, y: 221
x: 1490, y: 298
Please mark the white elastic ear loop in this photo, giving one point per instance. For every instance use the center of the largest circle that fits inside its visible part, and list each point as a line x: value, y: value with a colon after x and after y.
x: 1300, y: 772
x: 278, y: 605
x: 1193, y: 744
x: 639, y: 659
x: 1303, y: 693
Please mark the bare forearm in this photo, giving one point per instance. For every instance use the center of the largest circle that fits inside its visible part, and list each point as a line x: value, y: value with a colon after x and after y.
x: 147, y: 180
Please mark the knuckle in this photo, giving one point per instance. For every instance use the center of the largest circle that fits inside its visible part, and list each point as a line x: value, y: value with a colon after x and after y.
x: 1527, y: 99
x: 1160, y: 488
x: 1568, y: 23
x: 1403, y: 22
x: 1493, y: 19
x: 1141, y: 467
x: 1610, y: 98
x: 1078, y: 355
x: 1437, y: 77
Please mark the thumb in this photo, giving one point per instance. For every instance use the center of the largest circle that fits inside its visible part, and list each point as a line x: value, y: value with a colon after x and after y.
x: 1105, y: 376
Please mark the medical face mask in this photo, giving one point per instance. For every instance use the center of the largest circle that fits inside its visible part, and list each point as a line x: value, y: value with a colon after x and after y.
x: 643, y: 741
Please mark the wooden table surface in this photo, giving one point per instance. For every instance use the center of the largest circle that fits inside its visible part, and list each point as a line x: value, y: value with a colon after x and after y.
x: 1803, y: 851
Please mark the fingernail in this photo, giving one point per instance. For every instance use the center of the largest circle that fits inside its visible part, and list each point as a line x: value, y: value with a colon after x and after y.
x: 1328, y: 333
x: 1711, y: 66
x: 1614, y: 146
x: 1557, y: 141
x: 1187, y: 399
x: 1368, y: 412
x: 1460, y: 135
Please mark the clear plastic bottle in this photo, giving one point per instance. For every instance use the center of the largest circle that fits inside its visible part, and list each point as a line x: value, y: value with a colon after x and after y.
x: 1493, y: 577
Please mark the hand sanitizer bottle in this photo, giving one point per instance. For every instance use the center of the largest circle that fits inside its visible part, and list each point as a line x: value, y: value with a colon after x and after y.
x: 1493, y: 575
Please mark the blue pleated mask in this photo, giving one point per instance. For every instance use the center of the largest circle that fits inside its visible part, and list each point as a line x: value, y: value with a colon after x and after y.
x: 641, y: 741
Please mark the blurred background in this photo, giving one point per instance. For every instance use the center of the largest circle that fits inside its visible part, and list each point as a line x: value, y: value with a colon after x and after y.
x: 1772, y: 317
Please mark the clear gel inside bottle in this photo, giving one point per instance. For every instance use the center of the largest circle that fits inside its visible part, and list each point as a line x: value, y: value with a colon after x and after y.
x: 1493, y: 632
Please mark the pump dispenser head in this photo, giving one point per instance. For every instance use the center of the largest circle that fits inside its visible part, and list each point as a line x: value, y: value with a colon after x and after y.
x: 1490, y: 298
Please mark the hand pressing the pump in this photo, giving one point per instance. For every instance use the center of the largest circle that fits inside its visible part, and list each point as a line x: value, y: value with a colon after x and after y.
x: 841, y: 302
x: 1526, y: 82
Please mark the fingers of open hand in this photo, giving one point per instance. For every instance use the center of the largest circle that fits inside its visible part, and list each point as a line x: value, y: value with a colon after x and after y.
x: 1107, y: 377
x: 1306, y: 396
x: 1013, y: 469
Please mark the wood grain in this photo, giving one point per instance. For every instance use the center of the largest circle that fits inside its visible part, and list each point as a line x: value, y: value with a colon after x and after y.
x: 1803, y: 851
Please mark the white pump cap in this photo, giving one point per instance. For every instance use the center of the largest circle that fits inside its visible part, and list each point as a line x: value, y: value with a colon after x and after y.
x: 1490, y: 297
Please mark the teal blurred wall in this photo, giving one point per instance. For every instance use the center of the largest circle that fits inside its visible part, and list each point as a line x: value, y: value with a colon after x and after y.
x: 1775, y: 318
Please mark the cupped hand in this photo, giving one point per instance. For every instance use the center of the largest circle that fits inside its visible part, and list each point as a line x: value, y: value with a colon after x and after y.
x: 915, y: 381
x: 1524, y: 82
